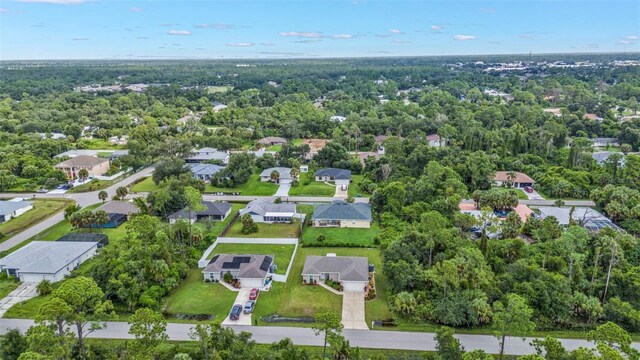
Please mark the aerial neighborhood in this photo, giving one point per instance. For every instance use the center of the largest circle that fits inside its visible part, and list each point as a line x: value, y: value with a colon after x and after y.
x: 374, y: 200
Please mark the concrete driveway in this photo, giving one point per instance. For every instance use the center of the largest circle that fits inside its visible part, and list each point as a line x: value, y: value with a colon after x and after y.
x: 283, y: 190
x: 341, y: 193
x: 241, y: 298
x: 353, y: 310
x: 534, y: 195
x: 23, y: 292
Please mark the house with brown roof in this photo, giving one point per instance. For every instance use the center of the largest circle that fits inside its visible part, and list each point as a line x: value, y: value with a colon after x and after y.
x: 272, y: 140
x: 516, y: 179
x: 94, y: 165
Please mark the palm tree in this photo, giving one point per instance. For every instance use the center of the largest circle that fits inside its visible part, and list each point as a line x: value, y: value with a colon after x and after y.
x: 102, y: 195
x: 100, y: 217
x: 275, y: 176
x: 83, y: 174
x: 511, y: 177
x: 121, y: 192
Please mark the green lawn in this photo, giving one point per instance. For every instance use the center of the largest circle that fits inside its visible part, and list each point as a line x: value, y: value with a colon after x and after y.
x: 282, y: 253
x: 295, y: 299
x: 520, y: 192
x: 7, y: 286
x: 216, y: 227
x: 146, y: 185
x: 354, y: 187
x: 265, y: 230
x: 340, y: 236
x: 94, y: 185
x: 194, y: 296
x: 314, y: 188
x: 218, y: 89
x: 276, y: 148
x: 252, y: 187
x: 96, y: 144
x: 42, y: 209
x: 26, y: 310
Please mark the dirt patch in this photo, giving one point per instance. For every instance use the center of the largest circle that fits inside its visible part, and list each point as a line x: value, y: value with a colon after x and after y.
x: 315, y: 144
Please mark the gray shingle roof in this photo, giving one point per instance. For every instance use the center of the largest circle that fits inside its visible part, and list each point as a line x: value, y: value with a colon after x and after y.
x: 285, y: 173
x: 342, y: 210
x: 261, y: 207
x: 119, y: 207
x: 205, y: 169
x: 349, y: 268
x: 45, y: 257
x: 339, y: 174
x: 256, y: 267
x: 8, y: 207
x: 212, y: 208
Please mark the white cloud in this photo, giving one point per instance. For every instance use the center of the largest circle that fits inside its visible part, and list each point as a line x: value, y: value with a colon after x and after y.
x: 437, y: 27
x: 214, y: 26
x: 267, y: 44
x: 308, y: 41
x: 80, y: 39
x: 3, y: 11
x: 464, y: 37
x: 142, y: 38
x: 302, y: 34
x: 396, y: 31
x: 60, y: 2
x: 488, y: 10
x: 136, y: 9
x: 632, y: 37
x: 240, y: 44
x: 179, y: 32
x: 342, y: 36
x: 400, y: 41
x: 626, y: 42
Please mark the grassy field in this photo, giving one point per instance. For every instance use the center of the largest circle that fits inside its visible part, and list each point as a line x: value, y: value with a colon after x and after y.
x: 218, y: 89
x: 42, y: 209
x: 520, y: 192
x: 274, y: 148
x: 354, y: 187
x: 94, y: 185
x: 97, y: 144
x: 194, y: 296
x: 295, y: 299
x: 252, y: 187
x: 340, y: 236
x: 7, y: 286
x: 265, y: 230
x: 282, y: 253
x: 146, y: 185
x: 315, y: 188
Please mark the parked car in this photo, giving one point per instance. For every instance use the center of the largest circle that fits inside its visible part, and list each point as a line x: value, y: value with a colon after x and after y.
x: 528, y: 189
x: 254, y: 294
x: 248, y: 307
x: 236, y: 310
x: 42, y: 191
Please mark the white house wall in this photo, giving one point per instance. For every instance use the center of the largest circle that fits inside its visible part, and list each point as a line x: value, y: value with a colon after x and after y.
x: 354, y: 285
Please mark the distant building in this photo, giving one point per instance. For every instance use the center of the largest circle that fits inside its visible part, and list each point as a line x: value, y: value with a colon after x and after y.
x: 604, y: 142
x: 204, y: 172
x: 593, y: 117
x: 284, y: 175
x: 95, y: 166
x: 214, y: 211
x: 250, y: 270
x: 520, y: 180
x: 262, y: 211
x: 352, y: 272
x: 54, y: 136
x: 435, y: 140
x: 208, y: 154
x: 272, y: 140
x: 337, y: 176
x: 601, y: 157
x: 583, y: 216
x: 557, y: 112
x: 338, y: 118
x: 219, y: 107
x: 342, y: 214
x: 13, y: 208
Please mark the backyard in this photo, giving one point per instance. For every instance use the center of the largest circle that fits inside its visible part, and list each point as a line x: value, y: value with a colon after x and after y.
x: 340, y: 236
x: 354, y: 188
x: 520, y: 192
x: 146, y: 185
x: 42, y: 209
x: 252, y: 187
x: 194, y: 297
x: 282, y: 253
x: 266, y: 230
x: 216, y: 227
x: 312, y: 188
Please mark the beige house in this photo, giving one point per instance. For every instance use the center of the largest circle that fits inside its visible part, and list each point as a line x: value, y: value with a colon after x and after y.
x: 342, y: 214
x: 94, y: 165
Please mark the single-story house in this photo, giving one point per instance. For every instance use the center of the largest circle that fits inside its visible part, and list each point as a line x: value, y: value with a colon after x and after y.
x: 342, y: 214
x: 204, y: 172
x: 10, y: 209
x: 262, y: 211
x: 53, y: 136
x: 593, y: 117
x: 216, y: 211
x: 101, y: 239
x: 74, y: 153
x: 251, y: 270
x: 284, y: 175
x: 604, y: 142
x: 338, y: 176
x: 118, y: 212
x: 554, y: 111
x: 584, y: 216
x: 47, y: 260
x: 338, y: 118
x: 94, y: 165
x: 520, y: 180
x: 272, y: 140
x: 350, y: 271
x: 208, y: 154
x: 602, y: 156
x: 435, y: 140
x: 219, y: 107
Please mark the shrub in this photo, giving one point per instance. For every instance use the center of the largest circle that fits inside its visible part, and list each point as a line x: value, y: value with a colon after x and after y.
x: 227, y: 277
x: 320, y: 238
x: 44, y: 288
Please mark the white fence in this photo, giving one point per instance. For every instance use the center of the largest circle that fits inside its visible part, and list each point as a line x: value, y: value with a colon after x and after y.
x: 204, y: 260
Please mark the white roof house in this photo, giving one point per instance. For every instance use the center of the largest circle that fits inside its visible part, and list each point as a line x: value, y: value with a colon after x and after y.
x: 13, y: 208
x: 47, y: 260
x: 586, y: 217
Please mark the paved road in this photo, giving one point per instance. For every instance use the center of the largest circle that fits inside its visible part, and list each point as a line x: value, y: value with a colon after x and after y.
x: 305, y: 199
x: 83, y: 199
x: 542, y: 202
x: 304, y: 336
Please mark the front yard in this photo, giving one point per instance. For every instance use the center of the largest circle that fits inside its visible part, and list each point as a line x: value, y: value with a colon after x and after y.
x: 354, y: 188
x: 252, y: 187
x: 520, y: 192
x: 340, y: 236
x: 282, y: 253
x: 146, y: 185
x: 265, y: 230
x: 42, y: 209
x: 195, y: 297
x: 314, y: 188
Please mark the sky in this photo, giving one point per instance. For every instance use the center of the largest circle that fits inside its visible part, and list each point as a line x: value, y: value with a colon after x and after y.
x: 214, y: 29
